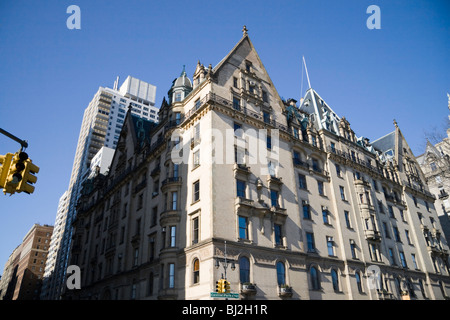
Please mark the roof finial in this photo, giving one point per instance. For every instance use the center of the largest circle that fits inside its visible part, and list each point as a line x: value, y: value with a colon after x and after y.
x: 395, y: 124
x: 244, y: 31
x: 183, y: 73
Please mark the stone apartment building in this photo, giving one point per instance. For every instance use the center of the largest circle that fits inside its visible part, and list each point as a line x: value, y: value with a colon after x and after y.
x: 304, y: 208
x: 435, y: 164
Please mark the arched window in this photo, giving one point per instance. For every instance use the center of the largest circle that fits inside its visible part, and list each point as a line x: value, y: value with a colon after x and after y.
x: 196, y: 271
x: 335, y: 280
x: 358, y: 282
x: 281, y: 273
x: 315, y: 281
x: 244, y: 269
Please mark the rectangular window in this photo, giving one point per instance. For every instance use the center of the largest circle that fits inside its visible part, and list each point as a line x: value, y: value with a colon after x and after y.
x: 178, y: 114
x: 195, y: 230
x: 278, y: 235
x: 248, y: 66
x: 320, y: 188
x: 175, y: 170
x: 397, y: 235
x: 391, y: 212
x: 197, y: 131
x: 403, y: 260
x: 235, y: 82
x: 239, y: 156
x: 296, y: 133
x: 311, y: 246
x: 380, y: 206
x: 240, y: 188
x: 325, y: 215
x: 341, y: 189
x: 392, y: 257
x: 236, y: 103
x: 330, y: 246
x: 413, y: 258
x: 264, y: 96
x: 315, y: 165
x: 269, y: 142
x: 174, y: 200
x: 171, y: 275
x: 196, y: 191
x: 347, y: 219
x: 196, y: 157
x: 375, y: 185
x: 407, y: 236
x: 373, y: 252
x: 266, y: 117
x: 333, y: 147
x: 302, y: 181
x: 338, y: 170
x: 274, y: 198
x: 243, y: 228
x: 353, y: 249
x: 386, y: 230
x: 238, y: 130
x: 306, y: 211
x: 173, y: 231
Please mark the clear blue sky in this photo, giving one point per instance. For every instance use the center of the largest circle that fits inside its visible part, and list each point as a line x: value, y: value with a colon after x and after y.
x: 49, y: 74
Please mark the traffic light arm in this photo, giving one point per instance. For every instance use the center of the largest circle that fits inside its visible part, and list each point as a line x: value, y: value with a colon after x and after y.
x: 23, y: 143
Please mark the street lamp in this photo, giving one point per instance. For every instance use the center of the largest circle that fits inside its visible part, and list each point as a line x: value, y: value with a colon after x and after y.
x: 225, y: 263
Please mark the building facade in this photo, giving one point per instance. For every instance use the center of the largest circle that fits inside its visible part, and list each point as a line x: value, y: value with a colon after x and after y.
x: 435, y: 164
x: 102, y: 122
x: 24, y: 271
x: 302, y: 207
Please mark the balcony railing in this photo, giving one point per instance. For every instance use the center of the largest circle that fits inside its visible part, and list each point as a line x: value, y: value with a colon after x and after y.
x: 300, y: 163
x: 372, y: 235
x: 170, y: 180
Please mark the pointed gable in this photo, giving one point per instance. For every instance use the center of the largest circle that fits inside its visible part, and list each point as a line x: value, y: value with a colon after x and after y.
x: 243, y: 71
x: 134, y: 136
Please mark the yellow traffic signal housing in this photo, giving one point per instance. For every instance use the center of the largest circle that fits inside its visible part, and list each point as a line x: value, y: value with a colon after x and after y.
x: 28, y: 177
x: 5, y: 161
x: 226, y: 286
x: 15, y: 172
x: 220, y: 286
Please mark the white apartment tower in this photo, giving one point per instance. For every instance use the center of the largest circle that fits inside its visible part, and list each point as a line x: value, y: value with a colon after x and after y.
x: 102, y: 122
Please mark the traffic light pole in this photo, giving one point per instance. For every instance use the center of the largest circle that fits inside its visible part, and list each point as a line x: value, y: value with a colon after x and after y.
x: 23, y: 143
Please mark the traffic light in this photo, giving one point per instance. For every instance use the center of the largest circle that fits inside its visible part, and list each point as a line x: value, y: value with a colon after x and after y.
x: 28, y: 177
x: 220, y: 286
x: 226, y: 286
x: 15, y: 172
x: 5, y: 161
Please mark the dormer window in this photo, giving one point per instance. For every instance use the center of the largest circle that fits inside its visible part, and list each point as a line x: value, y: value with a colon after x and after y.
x: 264, y: 96
x: 177, y: 96
x: 248, y: 66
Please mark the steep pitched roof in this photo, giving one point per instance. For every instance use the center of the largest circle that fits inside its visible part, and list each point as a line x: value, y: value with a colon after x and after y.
x: 245, y: 38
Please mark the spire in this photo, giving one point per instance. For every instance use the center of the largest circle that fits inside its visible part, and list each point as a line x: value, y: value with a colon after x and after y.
x: 183, y: 73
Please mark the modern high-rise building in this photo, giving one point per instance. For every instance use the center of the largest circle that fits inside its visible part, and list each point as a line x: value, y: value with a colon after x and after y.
x: 295, y: 203
x: 24, y: 271
x: 102, y: 123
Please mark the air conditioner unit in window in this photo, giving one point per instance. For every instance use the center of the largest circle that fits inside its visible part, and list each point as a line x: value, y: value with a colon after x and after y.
x: 325, y: 208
